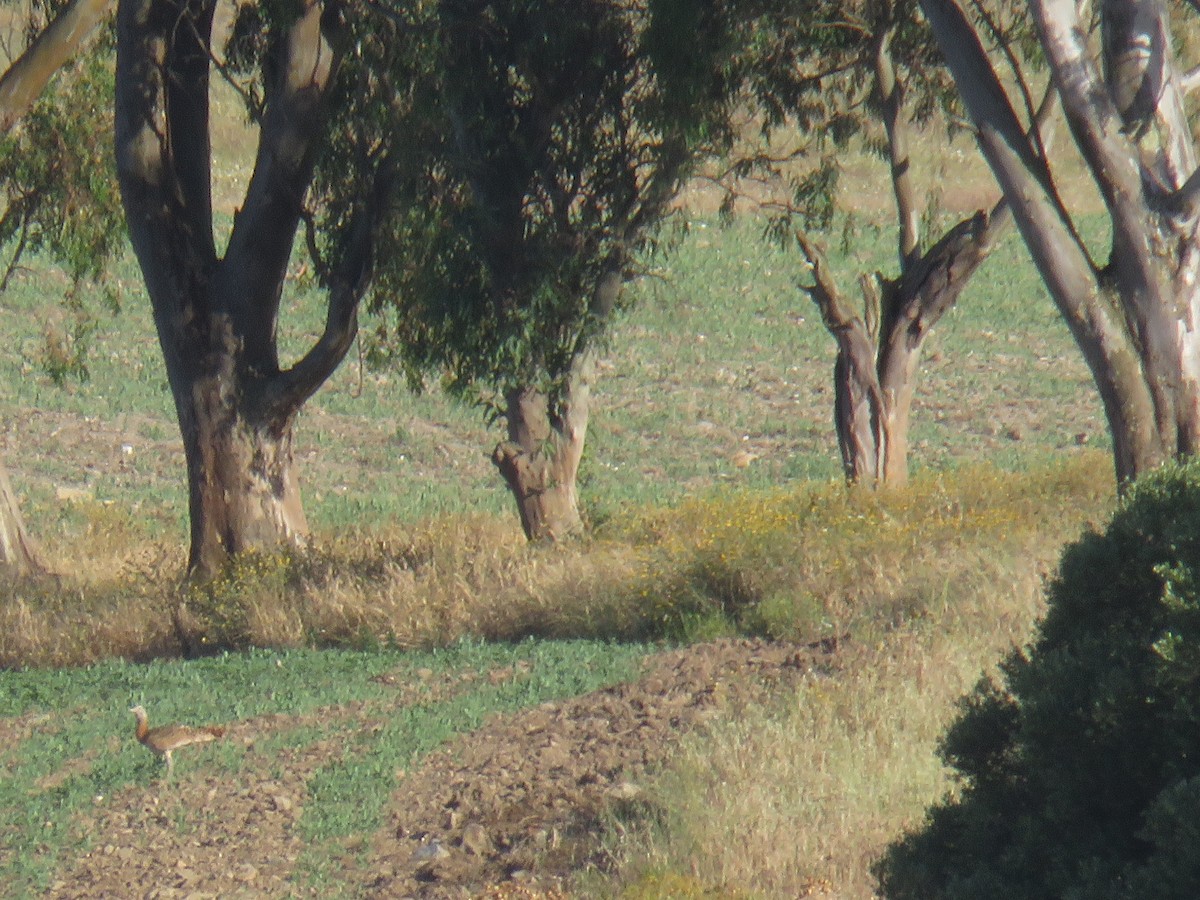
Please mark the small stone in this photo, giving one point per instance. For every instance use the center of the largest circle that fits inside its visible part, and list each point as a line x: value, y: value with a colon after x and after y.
x: 475, y: 840
x: 626, y: 790
x: 430, y: 851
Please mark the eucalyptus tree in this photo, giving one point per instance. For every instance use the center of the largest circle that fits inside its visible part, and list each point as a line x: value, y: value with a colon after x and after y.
x: 52, y: 182
x: 217, y: 312
x: 1134, y: 314
x: 867, y: 73
x: 546, y: 143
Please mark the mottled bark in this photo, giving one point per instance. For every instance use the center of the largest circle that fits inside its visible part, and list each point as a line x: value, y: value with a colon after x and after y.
x: 540, y: 460
x: 1135, y: 317
x: 217, y: 316
x: 18, y: 553
x: 879, y: 352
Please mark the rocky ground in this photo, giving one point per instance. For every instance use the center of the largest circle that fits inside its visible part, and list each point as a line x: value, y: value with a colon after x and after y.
x: 510, y: 810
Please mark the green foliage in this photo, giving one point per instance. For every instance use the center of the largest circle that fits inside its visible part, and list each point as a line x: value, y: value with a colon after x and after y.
x: 1079, y: 773
x: 60, y: 197
x: 543, y: 145
x: 58, y: 177
x: 813, y: 70
x: 220, y: 606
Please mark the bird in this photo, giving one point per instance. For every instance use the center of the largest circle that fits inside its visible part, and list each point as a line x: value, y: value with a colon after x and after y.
x: 166, y: 738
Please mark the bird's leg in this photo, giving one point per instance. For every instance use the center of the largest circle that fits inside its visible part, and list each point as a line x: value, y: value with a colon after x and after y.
x: 170, y: 763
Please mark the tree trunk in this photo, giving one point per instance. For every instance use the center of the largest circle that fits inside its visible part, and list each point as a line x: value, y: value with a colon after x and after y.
x: 242, y: 485
x: 879, y: 352
x: 874, y: 383
x: 859, y: 410
x: 18, y: 554
x: 217, y: 316
x: 540, y: 460
x: 1134, y: 318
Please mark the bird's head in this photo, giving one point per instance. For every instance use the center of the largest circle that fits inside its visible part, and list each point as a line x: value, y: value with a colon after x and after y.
x: 139, y: 711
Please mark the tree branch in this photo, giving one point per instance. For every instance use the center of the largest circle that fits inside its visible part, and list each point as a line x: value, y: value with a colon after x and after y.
x: 1190, y: 80
x: 1185, y: 202
x: 1023, y: 175
x: 347, y: 283
x: 891, y: 97
x: 147, y: 169
x: 1091, y: 113
x: 836, y: 313
x: 187, y: 119
x: 1144, y: 87
x: 23, y: 81
x: 264, y: 230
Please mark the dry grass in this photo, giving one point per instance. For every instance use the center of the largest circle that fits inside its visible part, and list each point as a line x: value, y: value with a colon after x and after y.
x: 800, y: 798
x: 802, y: 563
x: 931, y: 583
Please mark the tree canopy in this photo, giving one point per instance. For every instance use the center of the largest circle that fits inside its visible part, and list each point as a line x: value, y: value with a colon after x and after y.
x: 545, y: 142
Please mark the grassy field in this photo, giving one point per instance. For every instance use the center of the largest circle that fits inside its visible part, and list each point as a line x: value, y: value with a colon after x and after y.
x: 721, y: 354
x: 419, y: 565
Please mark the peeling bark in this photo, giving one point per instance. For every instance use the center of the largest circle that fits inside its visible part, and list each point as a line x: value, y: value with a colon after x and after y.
x: 1135, y: 317
x: 540, y: 460
x: 879, y: 349
x: 879, y: 354
x: 217, y: 316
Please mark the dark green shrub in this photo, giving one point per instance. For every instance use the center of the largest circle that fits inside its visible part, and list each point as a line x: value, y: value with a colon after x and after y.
x: 1079, y: 774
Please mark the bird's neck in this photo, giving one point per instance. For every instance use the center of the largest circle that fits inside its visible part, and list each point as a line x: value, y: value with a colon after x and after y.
x: 142, y: 728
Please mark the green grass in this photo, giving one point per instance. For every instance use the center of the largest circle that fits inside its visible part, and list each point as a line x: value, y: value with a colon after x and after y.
x: 721, y: 353
x: 76, y: 714
x: 418, y: 547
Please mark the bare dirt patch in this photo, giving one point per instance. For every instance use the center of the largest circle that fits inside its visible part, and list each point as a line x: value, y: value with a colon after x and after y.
x: 512, y: 809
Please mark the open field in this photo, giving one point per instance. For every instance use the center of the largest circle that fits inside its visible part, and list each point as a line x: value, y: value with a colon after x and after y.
x: 722, y: 355
x: 731, y: 688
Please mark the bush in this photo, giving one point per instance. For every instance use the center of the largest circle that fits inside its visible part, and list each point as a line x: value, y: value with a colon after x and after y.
x: 1079, y: 774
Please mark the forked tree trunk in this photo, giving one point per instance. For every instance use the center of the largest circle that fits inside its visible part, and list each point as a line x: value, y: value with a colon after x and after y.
x: 540, y: 460
x: 18, y: 554
x: 1137, y: 317
x: 217, y: 316
x: 879, y: 352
